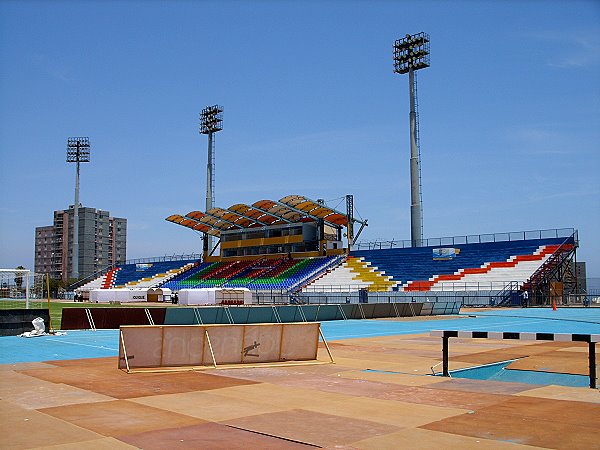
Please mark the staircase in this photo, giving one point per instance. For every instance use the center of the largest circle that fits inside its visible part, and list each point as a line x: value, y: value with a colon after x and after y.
x: 109, y: 280
x: 557, y: 260
x: 378, y: 282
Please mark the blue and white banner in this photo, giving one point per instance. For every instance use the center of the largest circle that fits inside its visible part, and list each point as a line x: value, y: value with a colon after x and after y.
x: 445, y: 253
x: 142, y: 267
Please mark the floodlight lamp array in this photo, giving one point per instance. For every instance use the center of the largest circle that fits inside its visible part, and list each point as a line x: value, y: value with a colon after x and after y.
x: 211, y: 119
x: 411, y: 53
x: 78, y: 149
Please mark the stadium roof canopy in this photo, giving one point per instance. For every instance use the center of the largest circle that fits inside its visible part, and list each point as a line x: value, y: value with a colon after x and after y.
x: 290, y: 209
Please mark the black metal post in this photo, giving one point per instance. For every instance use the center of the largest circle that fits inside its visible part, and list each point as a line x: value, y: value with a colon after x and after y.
x: 445, y: 371
x: 592, y: 356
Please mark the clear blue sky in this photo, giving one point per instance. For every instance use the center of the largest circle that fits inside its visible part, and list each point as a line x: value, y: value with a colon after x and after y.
x: 509, y: 114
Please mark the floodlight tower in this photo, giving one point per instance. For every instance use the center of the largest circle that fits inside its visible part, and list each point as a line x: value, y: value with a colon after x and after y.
x: 211, y: 121
x: 411, y: 53
x: 78, y: 151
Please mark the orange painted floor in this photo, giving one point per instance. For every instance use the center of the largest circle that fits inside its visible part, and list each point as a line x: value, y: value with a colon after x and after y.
x: 91, y: 404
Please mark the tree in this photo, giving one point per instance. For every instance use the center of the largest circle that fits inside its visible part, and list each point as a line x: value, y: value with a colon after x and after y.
x: 19, y: 277
x: 55, y: 286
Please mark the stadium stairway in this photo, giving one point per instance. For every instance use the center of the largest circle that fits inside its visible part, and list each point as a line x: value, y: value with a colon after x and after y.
x: 189, y: 278
x: 351, y: 275
x: 552, y: 262
x: 378, y: 281
x: 312, y: 270
x: 109, y: 279
x: 96, y: 283
x: 337, y: 279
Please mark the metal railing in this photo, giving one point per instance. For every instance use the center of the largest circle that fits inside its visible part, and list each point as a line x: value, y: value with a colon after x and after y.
x: 475, y: 298
x: 440, y: 286
x: 470, y: 239
x: 165, y: 258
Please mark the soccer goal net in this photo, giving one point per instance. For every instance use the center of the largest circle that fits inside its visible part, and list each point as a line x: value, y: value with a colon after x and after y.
x: 21, y: 288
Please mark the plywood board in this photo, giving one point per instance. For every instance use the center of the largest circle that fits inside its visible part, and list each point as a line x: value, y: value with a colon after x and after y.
x: 183, y: 346
x: 300, y: 342
x: 262, y: 343
x: 226, y: 342
x: 168, y: 347
x: 143, y: 348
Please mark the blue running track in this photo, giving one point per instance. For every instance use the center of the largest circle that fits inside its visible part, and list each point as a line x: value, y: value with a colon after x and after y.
x: 101, y: 343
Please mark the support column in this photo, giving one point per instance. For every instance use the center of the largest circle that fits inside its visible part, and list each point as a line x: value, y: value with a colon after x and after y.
x: 592, y: 357
x: 209, y: 184
x: 445, y: 371
x: 75, y: 257
x: 416, y: 213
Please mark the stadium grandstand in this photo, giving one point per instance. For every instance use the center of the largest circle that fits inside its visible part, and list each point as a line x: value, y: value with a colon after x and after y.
x: 293, y: 250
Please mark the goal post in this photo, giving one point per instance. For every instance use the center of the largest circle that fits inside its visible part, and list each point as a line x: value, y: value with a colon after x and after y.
x: 21, y: 288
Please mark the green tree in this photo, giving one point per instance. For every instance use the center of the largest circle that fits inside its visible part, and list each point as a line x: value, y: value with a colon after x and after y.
x: 19, y: 277
x: 55, y: 286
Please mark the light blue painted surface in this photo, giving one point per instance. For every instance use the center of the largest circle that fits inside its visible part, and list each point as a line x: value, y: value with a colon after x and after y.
x: 94, y: 344
x: 571, y: 314
x: 481, y: 322
x: 74, y: 345
x: 498, y: 372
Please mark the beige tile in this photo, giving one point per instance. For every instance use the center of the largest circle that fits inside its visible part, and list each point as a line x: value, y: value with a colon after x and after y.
x: 578, y: 349
x: 105, y: 443
x: 314, y: 428
x: 430, y: 440
x: 33, y: 393
x: 121, y: 417
x: 403, y: 364
x: 579, y: 394
x: 26, y: 428
x: 25, y: 366
x: 386, y: 411
x: 208, y: 406
x: 390, y: 365
x: 395, y: 378
x: 279, y: 396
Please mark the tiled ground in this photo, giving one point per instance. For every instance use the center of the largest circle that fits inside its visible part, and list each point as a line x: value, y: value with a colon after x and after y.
x: 91, y: 404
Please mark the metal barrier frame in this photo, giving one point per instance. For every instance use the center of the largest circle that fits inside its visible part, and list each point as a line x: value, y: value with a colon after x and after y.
x: 591, y: 339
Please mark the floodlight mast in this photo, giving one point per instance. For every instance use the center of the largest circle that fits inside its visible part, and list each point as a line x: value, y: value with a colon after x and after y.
x: 211, y: 121
x: 411, y: 53
x: 78, y: 151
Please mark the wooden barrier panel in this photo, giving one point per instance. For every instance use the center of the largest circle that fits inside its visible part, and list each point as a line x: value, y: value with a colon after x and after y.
x: 112, y: 318
x: 190, y: 347
x: 109, y: 318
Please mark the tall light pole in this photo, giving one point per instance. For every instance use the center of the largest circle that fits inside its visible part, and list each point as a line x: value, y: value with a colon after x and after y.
x: 211, y: 121
x: 411, y: 53
x: 78, y: 151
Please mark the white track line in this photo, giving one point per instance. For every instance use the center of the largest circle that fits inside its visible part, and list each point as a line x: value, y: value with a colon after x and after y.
x: 88, y: 345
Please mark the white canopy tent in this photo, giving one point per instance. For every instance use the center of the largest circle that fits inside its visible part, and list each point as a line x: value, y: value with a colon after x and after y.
x: 215, y: 296
x: 118, y: 295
